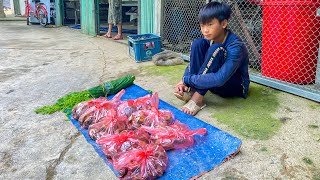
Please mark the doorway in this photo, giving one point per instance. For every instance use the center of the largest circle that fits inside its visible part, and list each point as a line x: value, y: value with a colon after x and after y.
x: 71, y: 12
x: 129, y: 18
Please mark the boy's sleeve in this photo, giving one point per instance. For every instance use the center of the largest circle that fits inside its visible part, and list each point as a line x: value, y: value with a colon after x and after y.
x: 210, y: 80
x: 187, y: 71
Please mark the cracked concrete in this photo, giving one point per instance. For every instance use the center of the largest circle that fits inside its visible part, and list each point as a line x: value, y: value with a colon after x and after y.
x: 39, y: 65
x: 35, y: 146
x: 51, y: 169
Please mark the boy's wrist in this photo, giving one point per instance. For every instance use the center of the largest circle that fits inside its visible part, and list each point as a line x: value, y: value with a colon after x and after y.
x: 184, y: 80
x: 181, y: 82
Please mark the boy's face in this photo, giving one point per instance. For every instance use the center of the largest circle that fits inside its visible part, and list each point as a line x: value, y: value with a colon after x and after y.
x: 214, y: 30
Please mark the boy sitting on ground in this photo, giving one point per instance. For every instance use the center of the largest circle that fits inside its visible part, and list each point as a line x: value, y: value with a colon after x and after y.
x: 218, y: 62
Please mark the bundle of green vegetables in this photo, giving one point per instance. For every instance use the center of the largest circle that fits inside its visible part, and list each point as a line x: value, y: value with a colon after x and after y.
x: 66, y: 103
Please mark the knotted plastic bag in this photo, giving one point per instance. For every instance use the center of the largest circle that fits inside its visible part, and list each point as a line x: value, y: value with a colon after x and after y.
x: 80, y: 108
x: 126, y: 140
x: 104, y: 107
x: 94, y: 113
x: 126, y: 108
x: 153, y: 117
x: 175, y: 136
x: 147, y: 162
x: 143, y: 103
x: 110, y: 124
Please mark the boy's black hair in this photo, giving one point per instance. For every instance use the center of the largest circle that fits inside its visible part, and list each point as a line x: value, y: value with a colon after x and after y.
x: 221, y: 11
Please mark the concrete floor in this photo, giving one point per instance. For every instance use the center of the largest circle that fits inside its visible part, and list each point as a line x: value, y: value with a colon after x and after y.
x: 40, y: 65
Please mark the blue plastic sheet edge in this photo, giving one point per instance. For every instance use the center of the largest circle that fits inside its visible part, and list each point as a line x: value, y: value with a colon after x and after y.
x: 208, y: 151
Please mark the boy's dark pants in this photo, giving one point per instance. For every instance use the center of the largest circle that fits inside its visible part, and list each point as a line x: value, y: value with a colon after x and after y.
x: 201, y: 53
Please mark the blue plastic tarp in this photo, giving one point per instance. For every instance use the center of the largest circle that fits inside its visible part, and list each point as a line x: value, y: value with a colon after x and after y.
x: 208, y: 151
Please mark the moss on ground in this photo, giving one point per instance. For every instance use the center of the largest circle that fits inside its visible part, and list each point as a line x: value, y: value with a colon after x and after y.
x: 312, y: 168
x: 251, y: 117
x: 307, y: 160
x: 313, y: 126
x: 314, y: 105
x: 264, y: 149
x: 173, y: 73
x: 315, y: 174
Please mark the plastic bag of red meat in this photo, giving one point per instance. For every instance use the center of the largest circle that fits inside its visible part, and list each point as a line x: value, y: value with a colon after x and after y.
x: 163, y: 117
x: 148, y: 162
x: 94, y: 113
x: 80, y: 108
x: 127, y: 140
x: 175, y: 136
x: 103, y: 108
x: 143, y: 103
x: 126, y: 108
x: 153, y: 117
x: 110, y: 124
x: 86, y: 118
x: 138, y: 118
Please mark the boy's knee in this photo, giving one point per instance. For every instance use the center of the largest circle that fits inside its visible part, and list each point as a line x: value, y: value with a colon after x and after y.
x: 199, y: 43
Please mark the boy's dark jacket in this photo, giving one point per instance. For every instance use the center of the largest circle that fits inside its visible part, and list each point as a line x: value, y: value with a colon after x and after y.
x: 236, y: 61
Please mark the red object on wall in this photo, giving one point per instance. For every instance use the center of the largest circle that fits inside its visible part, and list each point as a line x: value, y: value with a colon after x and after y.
x: 290, y: 40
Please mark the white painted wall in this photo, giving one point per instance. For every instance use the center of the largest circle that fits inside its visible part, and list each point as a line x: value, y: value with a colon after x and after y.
x: 22, y: 7
x: 11, y: 6
x: 157, y: 17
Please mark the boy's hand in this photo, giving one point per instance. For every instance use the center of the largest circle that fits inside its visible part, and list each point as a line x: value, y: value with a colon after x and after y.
x: 181, y: 88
